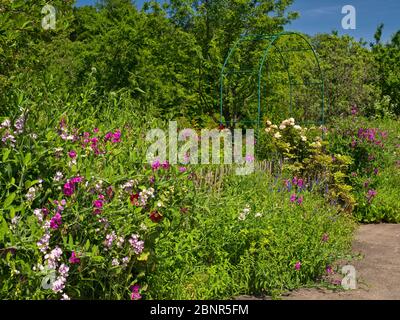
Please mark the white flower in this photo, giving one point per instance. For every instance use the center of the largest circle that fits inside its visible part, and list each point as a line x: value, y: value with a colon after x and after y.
x: 58, y: 176
x: 269, y: 123
x: 258, y: 215
x: 274, y: 126
x: 267, y: 130
x: 303, y: 138
x: 244, y: 213
x: 5, y: 124
x: 277, y: 135
x: 282, y: 127
x: 65, y: 297
x: 31, y: 194
x: 297, y: 127
x: 291, y: 121
x: 115, y: 262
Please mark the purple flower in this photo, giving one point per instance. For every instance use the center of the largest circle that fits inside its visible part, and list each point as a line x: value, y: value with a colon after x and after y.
x: 68, y: 189
x: 74, y: 259
x: 56, y: 221
x: 136, y: 244
x: 294, y: 181
x: 354, y: 110
x: 249, y: 158
x: 98, y: 203
x: 76, y: 180
x: 297, y: 266
x: 293, y: 198
x: 135, y: 292
x: 376, y: 171
x: 72, y: 154
x: 371, y: 194
x: 300, y: 200
x: 156, y: 165
x: 116, y: 137
x: 182, y: 169
x: 300, y: 183
x: 165, y: 165
x: 108, y: 136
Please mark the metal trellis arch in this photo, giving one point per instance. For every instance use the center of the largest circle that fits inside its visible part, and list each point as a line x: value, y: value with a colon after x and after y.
x: 258, y: 71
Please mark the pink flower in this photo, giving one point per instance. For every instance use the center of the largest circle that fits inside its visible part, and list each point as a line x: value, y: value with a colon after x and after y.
x: 249, y: 158
x: 300, y: 183
x: 56, y: 221
x: 98, y: 203
x: 182, y: 169
x: 116, y: 136
x: 76, y: 179
x: 156, y: 165
x: 293, y: 198
x: 108, y: 136
x: 135, y: 292
x: 165, y: 165
x: 297, y: 266
x: 69, y: 189
x: 72, y: 154
x: 96, y: 130
x: 74, y: 259
x: 300, y: 200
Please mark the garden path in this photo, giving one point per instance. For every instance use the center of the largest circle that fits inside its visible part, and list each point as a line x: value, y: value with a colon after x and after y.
x: 378, y: 268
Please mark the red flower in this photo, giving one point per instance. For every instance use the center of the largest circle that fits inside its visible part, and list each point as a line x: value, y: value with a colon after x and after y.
x: 134, y: 199
x: 155, y: 216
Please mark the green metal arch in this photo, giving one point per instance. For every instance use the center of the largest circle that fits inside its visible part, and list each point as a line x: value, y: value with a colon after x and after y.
x: 273, y: 39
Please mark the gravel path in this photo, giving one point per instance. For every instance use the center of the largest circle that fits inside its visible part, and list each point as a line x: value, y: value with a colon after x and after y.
x: 378, y: 272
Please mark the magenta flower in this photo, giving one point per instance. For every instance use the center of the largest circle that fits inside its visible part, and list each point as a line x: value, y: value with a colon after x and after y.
x: 76, y: 180
x: 182, y: 169
x: 72, y: 154
x: 297, y: 266
x: 108, y: 136
x: 249, y: 158
x: 165, y: 165
x: 300, y: 200
x: 156, y: 165
x: 74, y: 259
x: 96, y: 130
x: 98, y: 203
x: 56, y: 221
x: 293, y: 198
x: 329, y: 270
x: 135, y: 292
x: 69, y: 189
x: 300, y: 183
x: 294, y: 180
x: 116, y: 136
x: 371, y: 195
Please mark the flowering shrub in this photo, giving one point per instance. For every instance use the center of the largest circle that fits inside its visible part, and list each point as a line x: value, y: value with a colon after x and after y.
x: 306, y: 155
x: 373, y: 173
x: 88, y: 230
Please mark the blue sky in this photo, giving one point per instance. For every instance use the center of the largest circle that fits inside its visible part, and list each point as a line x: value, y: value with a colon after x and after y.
x: 326, y: 15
